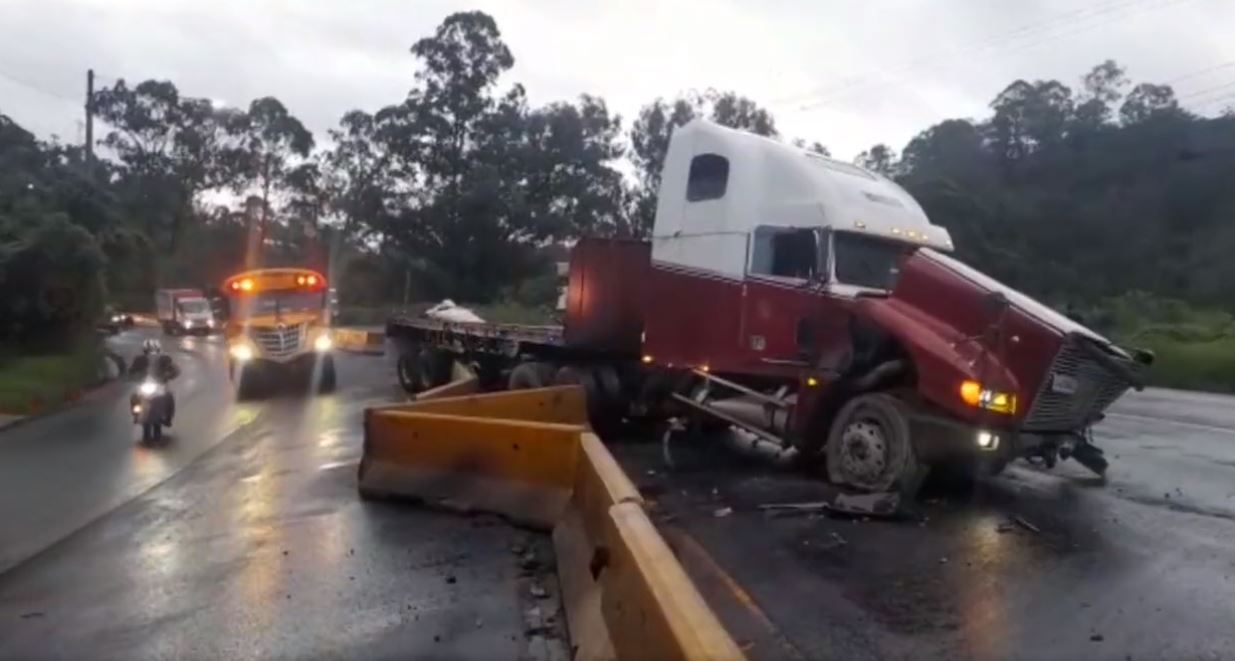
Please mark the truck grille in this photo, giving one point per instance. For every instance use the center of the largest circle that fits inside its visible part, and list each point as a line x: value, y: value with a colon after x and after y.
x: 1075, y: 390
x: 279, y: 341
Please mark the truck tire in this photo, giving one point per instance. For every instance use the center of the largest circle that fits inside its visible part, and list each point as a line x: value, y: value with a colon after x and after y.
x: 405, y: 368
x: 433, y: 367
x: 600, y: 412
x: 869, y: 446
x: 526, y: 376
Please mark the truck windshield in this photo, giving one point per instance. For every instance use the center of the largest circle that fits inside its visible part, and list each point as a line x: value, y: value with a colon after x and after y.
x: 284, y: 302
x: 193, y: 306
x: 868, y: 261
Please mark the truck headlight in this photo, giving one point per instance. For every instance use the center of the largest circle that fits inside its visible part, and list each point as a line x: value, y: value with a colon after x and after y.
x: 242, y: 352
x: 210, y: 323
x: 974, y: 394
x: 323, y: 343
x: 186, y: 323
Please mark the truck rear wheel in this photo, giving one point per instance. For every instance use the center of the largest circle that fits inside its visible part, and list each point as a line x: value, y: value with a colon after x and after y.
x: 433, y: 367
x: 869, y: 446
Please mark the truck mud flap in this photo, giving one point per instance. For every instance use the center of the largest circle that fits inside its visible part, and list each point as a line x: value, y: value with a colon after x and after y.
x: 528, y: 455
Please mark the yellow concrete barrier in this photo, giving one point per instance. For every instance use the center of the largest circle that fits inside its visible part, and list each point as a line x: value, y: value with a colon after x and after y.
x: 652, y: 609
x: 528, y: 455
x: 359, y: 341
x: 559, y: 405
x: 468, y: 385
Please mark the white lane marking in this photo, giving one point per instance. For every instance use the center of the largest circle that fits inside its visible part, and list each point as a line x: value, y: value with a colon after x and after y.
x: 1168, y: 421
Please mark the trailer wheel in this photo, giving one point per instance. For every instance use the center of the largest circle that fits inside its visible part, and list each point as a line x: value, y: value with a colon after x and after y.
x: 578, y: 375
x: 433, y: 367
x: 405, y: 367
x: 869, y: 446
x: 526, y: 376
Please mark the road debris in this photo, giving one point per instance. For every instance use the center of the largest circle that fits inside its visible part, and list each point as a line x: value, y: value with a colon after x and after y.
x: 1022, y: 522
x: 722, y: 512
x: 1097, y: 638
x: 451, y: 580
x: 874, y: 504
x: 31, y: 615
x: 1004, y: 528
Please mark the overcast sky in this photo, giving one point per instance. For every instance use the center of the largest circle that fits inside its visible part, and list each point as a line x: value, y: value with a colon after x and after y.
x: 846, y: 73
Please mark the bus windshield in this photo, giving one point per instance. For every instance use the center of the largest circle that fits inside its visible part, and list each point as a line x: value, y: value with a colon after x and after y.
x: 283, y: 302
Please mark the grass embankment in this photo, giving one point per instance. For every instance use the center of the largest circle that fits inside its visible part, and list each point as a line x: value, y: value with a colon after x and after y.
x: 1190, y: 364
x: 1194, y: 348
x: 31, y: 384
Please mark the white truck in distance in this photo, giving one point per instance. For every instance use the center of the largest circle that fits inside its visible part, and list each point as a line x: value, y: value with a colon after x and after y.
x: 184, y: 311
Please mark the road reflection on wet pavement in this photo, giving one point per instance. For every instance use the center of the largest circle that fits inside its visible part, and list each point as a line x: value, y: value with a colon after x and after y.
x: 259, y: 547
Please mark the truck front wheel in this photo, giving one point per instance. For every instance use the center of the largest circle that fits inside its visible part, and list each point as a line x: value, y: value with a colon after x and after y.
x: 869, y: 446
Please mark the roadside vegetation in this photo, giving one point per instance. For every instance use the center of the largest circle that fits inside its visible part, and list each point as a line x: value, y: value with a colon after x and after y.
x: 1194, y: 347
x: 1075, y: 192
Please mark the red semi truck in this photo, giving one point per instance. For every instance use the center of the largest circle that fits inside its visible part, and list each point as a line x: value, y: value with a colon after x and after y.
x: 822, y: 294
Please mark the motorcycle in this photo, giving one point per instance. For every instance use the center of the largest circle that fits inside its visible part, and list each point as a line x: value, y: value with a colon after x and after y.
x: 149, y: 406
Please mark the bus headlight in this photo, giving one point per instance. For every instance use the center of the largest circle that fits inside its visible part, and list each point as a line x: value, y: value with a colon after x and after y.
x: 242, y: 352
x: 323, y: 343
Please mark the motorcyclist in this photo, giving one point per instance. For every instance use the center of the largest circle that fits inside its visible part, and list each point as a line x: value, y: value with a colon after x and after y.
x: 154, y: 363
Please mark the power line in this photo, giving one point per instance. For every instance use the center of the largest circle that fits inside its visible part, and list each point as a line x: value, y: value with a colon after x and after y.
x: 953, y: 52
x: 38, y: 88
x: 1201, y: 72
x: 1207, y: 91
x: 1218, y: 99
x: 1119, y: 11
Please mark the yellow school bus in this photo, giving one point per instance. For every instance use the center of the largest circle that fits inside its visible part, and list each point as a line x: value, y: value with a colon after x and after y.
x: 278, y: 325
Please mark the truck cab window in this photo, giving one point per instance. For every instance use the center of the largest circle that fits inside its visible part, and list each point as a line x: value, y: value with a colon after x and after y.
x: 785, y: 252
x: 709, y: 176
x: 868, y: 261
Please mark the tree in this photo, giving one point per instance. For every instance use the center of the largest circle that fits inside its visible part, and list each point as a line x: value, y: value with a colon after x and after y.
x: 572, y: 187
x: 1148, y: 100
x: 815, y: 147
x: 359, y: 172
x: 880, y: 158
x: 1102, y: 89
x: 1029, y: 117
x: 51, y: 285
x: 170, y: 148
x: 272, y: 146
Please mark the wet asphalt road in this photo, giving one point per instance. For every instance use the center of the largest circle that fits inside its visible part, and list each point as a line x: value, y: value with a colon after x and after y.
x: 243, y: 536
x: 1142, y: 567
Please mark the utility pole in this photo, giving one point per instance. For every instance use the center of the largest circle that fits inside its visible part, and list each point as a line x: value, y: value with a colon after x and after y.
x: 89, y: 116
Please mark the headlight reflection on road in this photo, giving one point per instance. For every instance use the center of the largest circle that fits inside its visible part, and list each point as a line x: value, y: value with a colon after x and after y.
x: 980, y: 593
